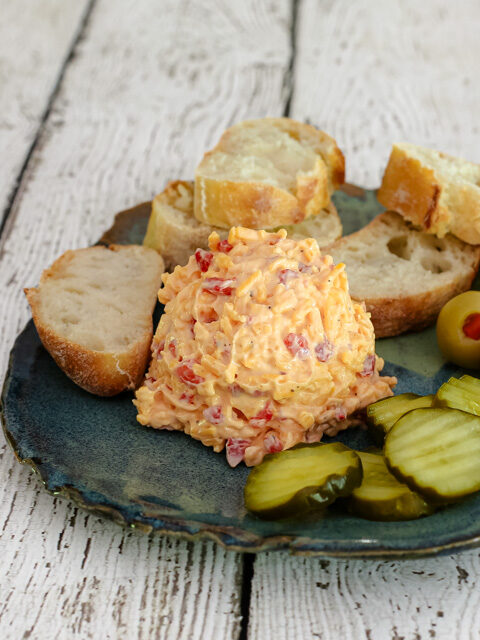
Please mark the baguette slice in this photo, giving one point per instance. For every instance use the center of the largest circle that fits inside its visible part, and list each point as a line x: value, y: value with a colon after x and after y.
x: 176, y: 233
x: 93, y: 313
x: 404, y: 276
x: 172, y: 229
x: 435, y: 191
x: 266, y: 173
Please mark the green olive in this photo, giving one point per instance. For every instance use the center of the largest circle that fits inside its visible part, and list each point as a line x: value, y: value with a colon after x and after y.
x: 458, y: 330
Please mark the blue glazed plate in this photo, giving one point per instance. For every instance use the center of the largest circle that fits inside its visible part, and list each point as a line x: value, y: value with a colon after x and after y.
x: 93, y: 450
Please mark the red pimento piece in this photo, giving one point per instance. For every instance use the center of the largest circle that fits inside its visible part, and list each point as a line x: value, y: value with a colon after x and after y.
x: 172, y: 347
x: 262, y: 418
x: 220, y: 286
x: 204, y: 259
x: 193, y: 322
x: 297, y: 345
x: 236, y: 450
x: 340, y: 414
x: 224, y: 246
x: 213, y: 414
x: 471, y: 326
x: 187, y: 397
x: 235, y: 389
x: 324, y: 350
x: 368, y: 367
x: 272, y: 443
x: 287, y: 274
x: 187, y: 375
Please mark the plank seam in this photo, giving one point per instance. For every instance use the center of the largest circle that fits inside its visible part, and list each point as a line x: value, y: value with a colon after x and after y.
x: 288, y: 82
x: 50, y: 102
x: 248, y: 562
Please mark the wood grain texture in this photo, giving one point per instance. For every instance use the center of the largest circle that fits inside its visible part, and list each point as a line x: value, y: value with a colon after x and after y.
x: 355, y: 599
x: 373, y: 72
x: 148, y: 89
x: 35, y: 38
x: 68, y: 574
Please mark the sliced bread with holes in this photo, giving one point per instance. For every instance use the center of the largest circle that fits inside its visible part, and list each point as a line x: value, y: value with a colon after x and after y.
x: 93, y: 313
x: 266, y: 173
x: 403, y: 275
x: 176, y: 233
x: 435, y: 191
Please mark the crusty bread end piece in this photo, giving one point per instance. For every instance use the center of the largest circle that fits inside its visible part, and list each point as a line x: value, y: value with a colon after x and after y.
x: 266, y: 173
x: 435, y: 191
x: 403, y: 275
x: 172, y: 229
x: 176, y: 233
x: 93, y: 313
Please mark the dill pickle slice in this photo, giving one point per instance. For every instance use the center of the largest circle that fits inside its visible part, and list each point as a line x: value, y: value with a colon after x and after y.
x: 304, y: 478
x: 436, y: 452
x: 470, y: 382
x: 381, y: 496
x: 463, y: 394
x: 382, y: 415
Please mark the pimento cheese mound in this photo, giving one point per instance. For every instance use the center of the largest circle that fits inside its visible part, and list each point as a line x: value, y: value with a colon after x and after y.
x: 260, y: 348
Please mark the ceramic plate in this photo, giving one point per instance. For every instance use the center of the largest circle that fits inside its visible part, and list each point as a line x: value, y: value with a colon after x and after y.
x: 92, y: 449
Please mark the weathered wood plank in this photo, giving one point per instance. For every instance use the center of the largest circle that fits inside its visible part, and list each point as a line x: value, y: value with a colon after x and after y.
x: 35, y: 38
x: 371, y: 73
x: 69, y: 574
x: 148, y: 89
x: 351, y: 599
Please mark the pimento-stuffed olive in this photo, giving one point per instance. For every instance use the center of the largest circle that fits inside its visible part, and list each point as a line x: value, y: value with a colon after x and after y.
x: 458, y: 330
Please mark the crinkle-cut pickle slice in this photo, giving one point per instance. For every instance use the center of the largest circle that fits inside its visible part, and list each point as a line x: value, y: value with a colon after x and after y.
x: 463, y: 394
x: 304, y: 478
x: 383, y: 414
x: 436, y: 452
x: 470, y: 382
x: 381, y: 496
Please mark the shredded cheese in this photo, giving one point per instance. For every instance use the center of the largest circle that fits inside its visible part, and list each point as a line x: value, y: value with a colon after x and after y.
x: 260, y: 346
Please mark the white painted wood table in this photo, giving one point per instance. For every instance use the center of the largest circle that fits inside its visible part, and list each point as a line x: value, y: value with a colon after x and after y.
x: 103, y: 101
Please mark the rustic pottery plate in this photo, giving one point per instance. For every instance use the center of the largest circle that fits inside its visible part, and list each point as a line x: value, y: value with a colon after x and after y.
x: 92, y: 449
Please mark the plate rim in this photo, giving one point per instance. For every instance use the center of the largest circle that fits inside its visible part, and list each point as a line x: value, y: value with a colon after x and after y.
x: 230, y: 537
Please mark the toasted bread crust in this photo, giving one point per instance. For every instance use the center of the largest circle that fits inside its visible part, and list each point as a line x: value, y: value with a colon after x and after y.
x: 415, y: 190
x: 101, y: 373
x: 258, y: 205
x: 394, y: 316
x: 255, y: 205
x: 466, y: 224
